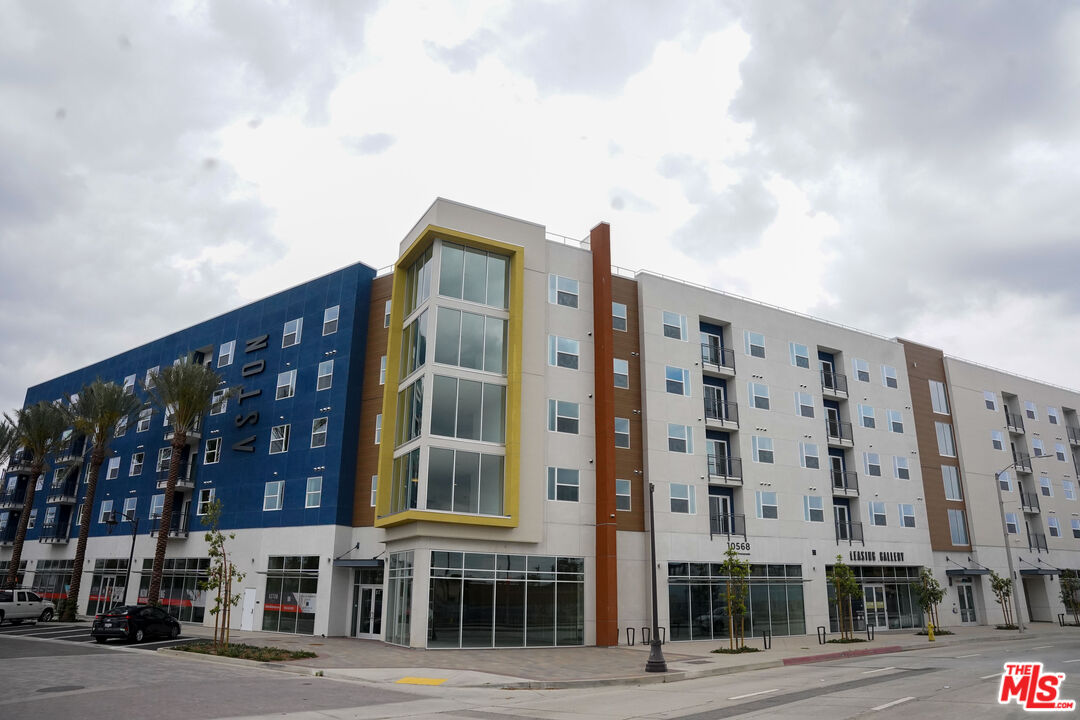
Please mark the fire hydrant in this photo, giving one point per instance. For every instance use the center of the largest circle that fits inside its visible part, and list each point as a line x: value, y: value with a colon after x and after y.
x: 930, y: 631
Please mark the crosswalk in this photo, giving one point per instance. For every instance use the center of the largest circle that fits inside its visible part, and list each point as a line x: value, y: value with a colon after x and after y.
x: 79, y: 632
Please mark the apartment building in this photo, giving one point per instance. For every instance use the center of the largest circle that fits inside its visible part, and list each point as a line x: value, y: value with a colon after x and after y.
x: 487, y: 420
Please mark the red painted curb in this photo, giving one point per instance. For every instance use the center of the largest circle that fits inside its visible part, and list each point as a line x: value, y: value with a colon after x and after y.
x: 841, y: 655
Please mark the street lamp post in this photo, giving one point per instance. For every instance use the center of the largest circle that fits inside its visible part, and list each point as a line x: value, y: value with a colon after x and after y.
x: 113, y: 522
x: 656, y: 662
x: 1017, y: 584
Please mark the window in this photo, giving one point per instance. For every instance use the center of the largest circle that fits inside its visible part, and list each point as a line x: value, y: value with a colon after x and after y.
x: 206, y: 497
x: 997, y: 439
x: 682, y: 498
x: 759, y: 395
x: 121, y: 427
x: 1059, y: 451
x: 990, y: 399
x: 888, y: 379
x: 1012, y: 523
x: 130, y: 505
x: 225, y: 353
x: 1076, y: 528
x: 1052, y: 415
x: 135, y: 468
x: 958, y: 527
x: 618, y: 316
x: 563, y: 484
x: 562, y: 291
x: 938, y: 399
x: 563, y: 416
x: 763, y: 449
x: 313, y: 495
x: 468, y: 340
x: 32, y: 520
x: 680, y: 438
x: 1070, y: 489
x: 866, y: 416
x: 945, y: 439
x: 896, y: 421
x: 1031, y: 411
x: 219, y: 402
x: 272, y: 495
x: 800, y: 355
x: 901, y: 471
x: 464, y: 482
x: 325, y: 379
x: 106, y: 511
x: 877, y: 513
x: 1045, y: 487
x: 1005, y: 482
x: 767, y: 506
x: 374, y: 489
x: 1037, y: 447
x: 378, y: 428
x: 286, y: 385
x: 804, y: 404
x: 674, y: 326
x: 387, y: 307
x: 677, y: 380
x: 862, y: 370
x: 755, y: 344
x: 473, y: 275
x: 129, y: 384
x: 872, y: 463
x: 622, y: 373
x: 1054, y: 526
x: 164, y: 455
x: 382, y: 370
x: 77, y: 519
x: 318, y: 432
x: 813, y: 508
x: 330, y: 320
x: 213, y: 451
x: 279, y: 439
x: 149, y: 379
x: 907, y: 515
x: 144, y: 420
x: 808, y: 456
x: 291, y: 334
x: 622, y: 432
x: 113, y: 471
x: 563, y: 352
x: 622, y: 494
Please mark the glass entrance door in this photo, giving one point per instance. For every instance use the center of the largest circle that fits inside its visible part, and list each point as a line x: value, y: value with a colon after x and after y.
x: 369, y: 612
x: 874, y: 604
x: 843, y: 522
x: 967, y: 602
x: 103, y: 600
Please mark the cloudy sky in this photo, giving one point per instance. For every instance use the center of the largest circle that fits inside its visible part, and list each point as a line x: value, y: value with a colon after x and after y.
x: 909, y: 168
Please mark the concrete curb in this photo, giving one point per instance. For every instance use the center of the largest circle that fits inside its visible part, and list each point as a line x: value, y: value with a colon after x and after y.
x: 825, y: 657
x: 203, y: 657
x: 646, y: 679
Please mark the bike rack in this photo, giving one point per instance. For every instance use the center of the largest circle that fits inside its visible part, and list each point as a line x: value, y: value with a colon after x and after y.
x: 821, y: 634
x: 630, y: 636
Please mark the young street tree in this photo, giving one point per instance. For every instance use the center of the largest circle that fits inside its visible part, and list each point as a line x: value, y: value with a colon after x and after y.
x: 222, y: 574
x: 96, y: 412
x: 1070, y: 588
x: 38, y: 430
x: 930, y: 595
x: 738, y: 574
x: 184, y: 393
x: 846, y: 587
x: 1002, y: 588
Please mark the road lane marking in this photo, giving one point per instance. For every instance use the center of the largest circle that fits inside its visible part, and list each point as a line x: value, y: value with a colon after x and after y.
x: 759, y: 692
x: 993, y: 675
x: 894, y: 702
x: 421, y: 681
x: 961, y: 657
x: 1041, y: 647
x: 867, y: 672
x: 1072, y: 661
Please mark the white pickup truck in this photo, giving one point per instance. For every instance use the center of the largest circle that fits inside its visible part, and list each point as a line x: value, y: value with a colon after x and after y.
x: 18, y: 605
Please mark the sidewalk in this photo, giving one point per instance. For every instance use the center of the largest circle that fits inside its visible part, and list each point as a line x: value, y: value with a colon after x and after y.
x: 549, y: 668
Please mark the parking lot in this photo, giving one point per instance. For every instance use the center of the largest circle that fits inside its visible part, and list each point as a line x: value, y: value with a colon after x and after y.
x: 80, y: 633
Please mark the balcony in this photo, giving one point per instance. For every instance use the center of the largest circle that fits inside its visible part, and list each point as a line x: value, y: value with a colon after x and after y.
x: 56, y: 532
x: 1037, y: 542
x: 13, y: 499
x: 184, y: 481
x: 1022, y: 462
x: 64, y: 492
x: 834, y: 384
x: 69, y: 453
x: 192, y: 438
x: 1014, y: 423
x: 725, y: 470
x: 20, y: 462
x: 717, y: 361
x: 838, y: 433
x: 845, y: 483
x: 721, y: 414
x: 178, y: 528
x: 1074, y: 434
x: 7, y: 535
x: 1029, y: 503
x: 849, y: 532
x: 723, y: 524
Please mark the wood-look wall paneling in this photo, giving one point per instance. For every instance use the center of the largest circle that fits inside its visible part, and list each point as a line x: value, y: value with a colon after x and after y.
x: 923, y: 365
x: 367, y: 452
x: 630, y: 461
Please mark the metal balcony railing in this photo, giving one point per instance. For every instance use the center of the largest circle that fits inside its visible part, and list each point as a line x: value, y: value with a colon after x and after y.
x: 185, y: 479
x: 717, y: 411
x: 725, y: 467
x: 20, y: 461
x: 69, y: 452
x: 1023, y: 462
x: 14, y: 498
x: 1074, y: 434
x: 844, y: 482
x: 726, y: 524
x: 718, y: 357
x: 178, y: 528
x: 1037, y: 542
x: 1029, y: 503
x: 1014, y: 422
x: 838, y: 432
x: 55, y: 532
x: 834, y: 382
x: 849, y: 532
x: 63, y: 492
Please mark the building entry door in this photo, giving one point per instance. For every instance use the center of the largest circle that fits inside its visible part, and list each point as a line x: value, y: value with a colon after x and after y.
x: 369, y: 612
x: 966, y: 596
x: 843, y: 522
x: 874, y: 604
x: 827, y: 380
x: 247, y: 618
x: 105, y: 597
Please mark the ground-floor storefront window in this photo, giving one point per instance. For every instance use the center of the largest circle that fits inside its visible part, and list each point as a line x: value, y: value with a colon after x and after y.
x: 886, y: 601
x: 108, y: 586
x: 490, y: 600
x: 180, y: 594
x: 292, y: 584
x: 399, y: 588
x: 52, y: 578
x: 5, y: 564
x: 697, y: 601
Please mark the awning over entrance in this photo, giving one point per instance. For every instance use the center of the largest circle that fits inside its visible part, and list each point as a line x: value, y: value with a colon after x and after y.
x: 1039, y: 571
x: 358, y: 563
x: 966, y: 572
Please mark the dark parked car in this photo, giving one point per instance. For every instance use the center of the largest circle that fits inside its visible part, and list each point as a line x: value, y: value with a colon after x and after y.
x: 134, y: 623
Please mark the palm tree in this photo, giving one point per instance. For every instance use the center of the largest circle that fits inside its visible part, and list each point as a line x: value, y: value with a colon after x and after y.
x: 184, y: 392
x: 39, y: 430
x: 95, y: 412
x: 9, y: 440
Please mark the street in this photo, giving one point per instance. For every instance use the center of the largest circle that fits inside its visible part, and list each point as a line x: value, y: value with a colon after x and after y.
x: 49, y: 678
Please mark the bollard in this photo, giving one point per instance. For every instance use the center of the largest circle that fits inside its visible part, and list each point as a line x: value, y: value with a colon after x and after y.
x: 1061, y: 619
x: 930, y: 631
x: 766, y: 640
x: 630, y: 636
x: 870, y: 630
x: 663, y: 634
x: 820, y: 634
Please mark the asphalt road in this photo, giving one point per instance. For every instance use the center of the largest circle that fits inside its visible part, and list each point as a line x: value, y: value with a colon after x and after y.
x: 85, y: 681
